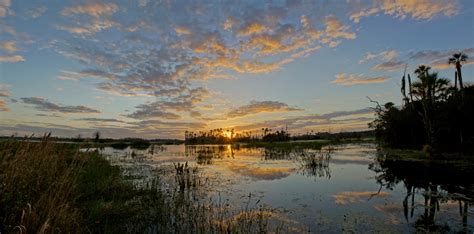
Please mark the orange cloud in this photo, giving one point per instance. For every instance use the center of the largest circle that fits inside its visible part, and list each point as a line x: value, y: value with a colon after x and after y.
x: 4, y: 90
x: 443, y: 64
x: 92, y: 9
x: 352, y: 79
x: 182, y: 30
x: 335, y: 29
x: 3, y: 106
x: 9, y: 46
x: 420, y: 9
x: 94, y: 26
x: 251, y: 28
x: 11, y: 59
x: 257, y: 107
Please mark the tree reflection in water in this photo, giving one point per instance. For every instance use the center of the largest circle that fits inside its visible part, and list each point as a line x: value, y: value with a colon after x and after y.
x: 205, y: 154
x: 437, y: 182
x: 310, y: 162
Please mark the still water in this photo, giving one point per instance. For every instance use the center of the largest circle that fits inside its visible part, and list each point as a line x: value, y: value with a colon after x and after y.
x: 347, y: 188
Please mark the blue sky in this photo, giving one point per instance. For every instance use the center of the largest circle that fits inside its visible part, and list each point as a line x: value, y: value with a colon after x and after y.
x: 154, y: 69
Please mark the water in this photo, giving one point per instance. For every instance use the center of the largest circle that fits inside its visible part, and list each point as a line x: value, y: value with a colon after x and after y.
x: 350, y: 188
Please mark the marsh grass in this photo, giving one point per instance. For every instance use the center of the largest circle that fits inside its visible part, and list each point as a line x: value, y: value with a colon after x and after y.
x: 47, y: 187
x: 316, y: 163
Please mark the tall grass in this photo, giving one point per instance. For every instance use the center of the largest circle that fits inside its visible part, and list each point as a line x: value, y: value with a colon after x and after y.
x: 47, y: 187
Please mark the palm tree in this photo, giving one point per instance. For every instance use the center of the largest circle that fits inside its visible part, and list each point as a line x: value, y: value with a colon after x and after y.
x: 429, y: 89
x: 422, y: 70
x: 457, y: 59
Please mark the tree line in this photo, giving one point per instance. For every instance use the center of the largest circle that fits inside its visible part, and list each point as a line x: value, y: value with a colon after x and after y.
x: 435, y: 115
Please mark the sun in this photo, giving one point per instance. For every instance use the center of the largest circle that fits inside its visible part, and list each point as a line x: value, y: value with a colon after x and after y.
x: 228, y: 135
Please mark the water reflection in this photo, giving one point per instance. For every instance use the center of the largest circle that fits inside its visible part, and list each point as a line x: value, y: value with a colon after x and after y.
x: 205, y: 154
x: 310, y: 162
x: 351, y: 186
x: 431, y: 187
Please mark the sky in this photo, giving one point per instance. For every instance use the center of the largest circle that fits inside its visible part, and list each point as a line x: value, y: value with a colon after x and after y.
x: 154, y: 69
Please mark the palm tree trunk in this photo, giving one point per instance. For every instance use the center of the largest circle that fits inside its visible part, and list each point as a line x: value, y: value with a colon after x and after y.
x: 458, y: 68
x: 456, y: 80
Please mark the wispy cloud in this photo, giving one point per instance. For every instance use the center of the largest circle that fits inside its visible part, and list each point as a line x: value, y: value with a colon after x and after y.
x: 256, y: 107
x: 5, y: 90
x: 189, y: 50
x: 354, y: 79
x: 8, y: 46
x: 5, y: 8
x: 91, y: 9
x: 389, y: 66
x: 11, y: 58
x: 3, y: 106
x: 438, y: 59
x: 36, y: 12
x: 388, y: 55
x: 45, y: 105
x: 103, y: 120
x: 340, y: 120
x: 419, y: 10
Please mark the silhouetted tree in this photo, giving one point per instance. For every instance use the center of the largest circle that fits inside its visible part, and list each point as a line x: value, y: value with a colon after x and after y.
x: 96, y: 136
x: 457, y: 59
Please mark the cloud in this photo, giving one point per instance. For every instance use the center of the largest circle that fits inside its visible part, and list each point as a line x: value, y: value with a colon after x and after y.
x: 337, y: 114
x: 36, y: 12
x: 99, y: 19
x: 91, y: 9
x: 251, y: 28
x: 388, y: 58
x: 256, y: 107
x: 94, y: 26
x: 438, y: 54
x: 388, y: 55
x: 5, y: 7
x: 104, y: 120
x: 182, y: 31
x: 438, y: 59
x: 343, y: 198
x: 173, y: 125
x: 3, y: 106
x: 143, y: 3
x: 176, y: 100
x: 353, y: 79
x: 335, y: 29
x: 8, y: 46
x: 254, y: 40
x: 389, y: 66
x: 443, y: 64
x: 147, y: 113
x: 11, y: 58
x: 5, y: 90
x: 337, y: 121
x: 45, y: 105
x: 419, y: 10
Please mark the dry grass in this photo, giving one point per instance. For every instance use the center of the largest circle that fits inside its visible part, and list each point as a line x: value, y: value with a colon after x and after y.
x: 38, y: 187
x: 47, y: 187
